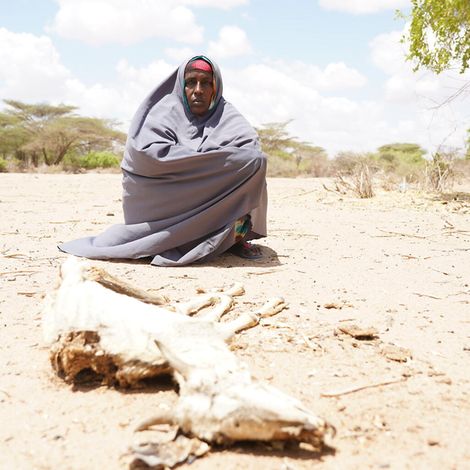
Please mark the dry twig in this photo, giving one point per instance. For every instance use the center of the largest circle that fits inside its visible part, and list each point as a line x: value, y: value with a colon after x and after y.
x: 427, y: 295
x: 400, y: 234
x: 361, y: 387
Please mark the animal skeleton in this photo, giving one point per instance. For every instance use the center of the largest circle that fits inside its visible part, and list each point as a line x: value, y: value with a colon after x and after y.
x: 94, y: 321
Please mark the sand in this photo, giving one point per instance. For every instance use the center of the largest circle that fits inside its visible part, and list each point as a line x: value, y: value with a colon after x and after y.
x: 399, y: 263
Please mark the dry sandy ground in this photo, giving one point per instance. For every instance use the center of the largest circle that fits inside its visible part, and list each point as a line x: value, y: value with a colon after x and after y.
x: 397, y: 262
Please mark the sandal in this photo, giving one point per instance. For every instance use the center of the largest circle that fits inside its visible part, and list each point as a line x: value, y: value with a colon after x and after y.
x: 246, y: 250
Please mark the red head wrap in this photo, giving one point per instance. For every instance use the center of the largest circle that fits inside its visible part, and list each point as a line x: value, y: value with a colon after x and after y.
x: 199, y: 64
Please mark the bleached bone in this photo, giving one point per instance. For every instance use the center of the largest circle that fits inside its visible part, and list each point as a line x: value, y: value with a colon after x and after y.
x: 219, y: 399
x: 251, y: 319
x: 220, y: 304
x: 93, y: 326
x: 92, y: 273
x: 233, y: 290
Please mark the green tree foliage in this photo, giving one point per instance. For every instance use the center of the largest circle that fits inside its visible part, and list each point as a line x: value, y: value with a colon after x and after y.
x: 3, y: 165
x: 42, y: 132
x: 94, y: 160
x: 310, y: 159
x: 402, y: 159
x: 275, y: 139
x: 439, y: 34
x: 411, y: 153
x: 12, y: 137
x: 287, y: 155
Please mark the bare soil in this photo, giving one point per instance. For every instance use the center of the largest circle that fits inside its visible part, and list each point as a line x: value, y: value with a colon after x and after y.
x: 397, y: 266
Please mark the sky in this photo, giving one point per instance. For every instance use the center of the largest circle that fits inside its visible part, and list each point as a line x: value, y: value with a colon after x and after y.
x: 335, y: 69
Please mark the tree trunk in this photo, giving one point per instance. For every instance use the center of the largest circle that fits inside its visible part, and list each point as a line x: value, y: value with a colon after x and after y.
x: 47, y: 161
x: 60, y: 156
x: 35, y: 159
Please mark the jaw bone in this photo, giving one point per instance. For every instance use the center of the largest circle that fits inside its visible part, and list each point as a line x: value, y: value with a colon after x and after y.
x: 92, y: 326
x: 219, y: 400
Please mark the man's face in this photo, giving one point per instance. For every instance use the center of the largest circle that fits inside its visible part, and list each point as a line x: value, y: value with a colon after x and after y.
x: 199, y: 91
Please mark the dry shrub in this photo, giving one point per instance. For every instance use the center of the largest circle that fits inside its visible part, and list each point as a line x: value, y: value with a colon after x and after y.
x: 282, y: 167
x: 439, y: 172
x: 461, y: 167
x: 358, y: 182
x: 354, y: 174
x: 345, y: 163
x: 317, y: 166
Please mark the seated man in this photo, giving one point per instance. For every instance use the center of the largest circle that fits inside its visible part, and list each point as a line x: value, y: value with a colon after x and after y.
x: 193, y: 177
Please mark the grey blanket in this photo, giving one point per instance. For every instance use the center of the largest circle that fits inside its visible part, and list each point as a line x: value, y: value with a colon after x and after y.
x: 186, y: 180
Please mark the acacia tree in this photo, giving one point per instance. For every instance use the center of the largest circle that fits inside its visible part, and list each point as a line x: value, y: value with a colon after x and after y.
x: 411, y: 153
x: 311, y: 157
x: 275, y: 139
x: 51, y: 132
x: 12, y: 137
x: 72, y: 134
x: 439, y: 34
x: 293, y: 155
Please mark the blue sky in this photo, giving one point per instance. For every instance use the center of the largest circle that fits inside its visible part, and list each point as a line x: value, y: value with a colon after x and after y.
x: 335, y: 67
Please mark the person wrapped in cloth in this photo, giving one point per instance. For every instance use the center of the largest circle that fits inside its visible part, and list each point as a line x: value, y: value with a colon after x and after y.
x: 194, y: 177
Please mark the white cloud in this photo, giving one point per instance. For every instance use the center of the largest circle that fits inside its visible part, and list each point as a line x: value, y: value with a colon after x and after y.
x: 125, y: 21
x: 362, y: 6
x: 388, y: 53
x: 335, y: 76
x: 131, y: 21
x: 179, y: 54
x: 223, y: 4
x: 30, y: 68
x: 31, y: 71
x: 119, y: 100
x: 339, y: 76
x: 402, y: 84
x: 232, y: 41
x: 420, y: 97
x: 269, y: 93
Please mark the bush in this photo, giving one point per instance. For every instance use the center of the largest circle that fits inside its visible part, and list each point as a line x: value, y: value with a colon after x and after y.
x: 403, y: 160
x: 318, y: 166
x: 94, y: 160
x: 346, y: 163
x: 3, y: 165
x: 358, y: 181
x: 281, y: 166
x: 439, y: 172
x: 462, y: 167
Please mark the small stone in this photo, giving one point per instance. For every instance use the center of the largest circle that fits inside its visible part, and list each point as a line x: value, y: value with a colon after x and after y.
x: 396, y: 353
x: 359, y: 333
x: 331, y: 305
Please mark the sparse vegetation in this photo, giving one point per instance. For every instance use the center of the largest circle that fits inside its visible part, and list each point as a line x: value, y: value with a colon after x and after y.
x: 41, y: 134
x: 402, y: 160
x: 94, y: 160
x: 287, y: 155
x: 3, y: 165
x: 359, y: 181
x: 439, y: 172
x: 42, y: 137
